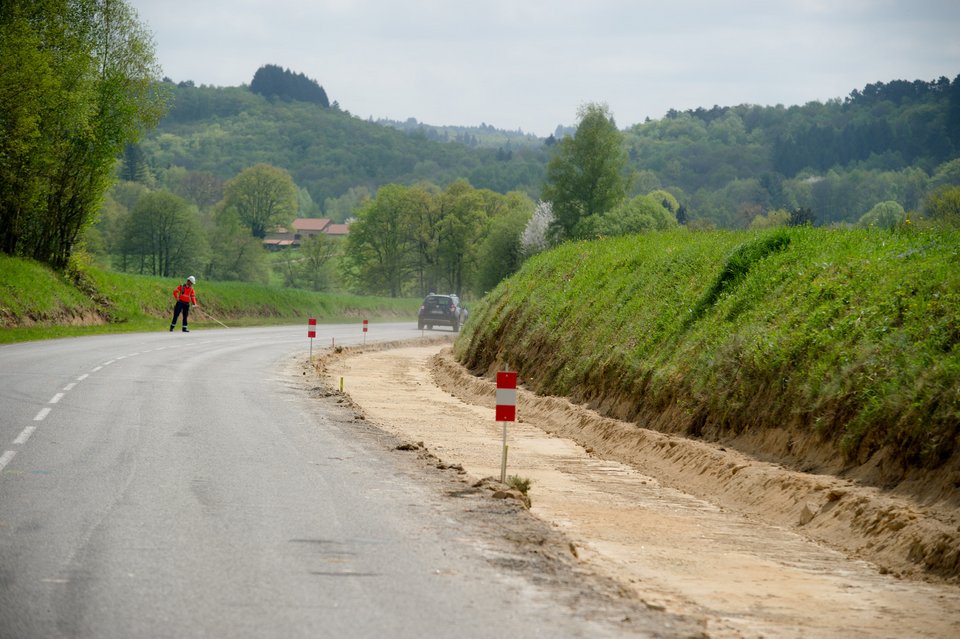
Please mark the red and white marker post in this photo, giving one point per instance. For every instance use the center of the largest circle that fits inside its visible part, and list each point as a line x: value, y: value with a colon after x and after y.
x: 311, y: 333
x: 364, y: 332
x: 506, y: 411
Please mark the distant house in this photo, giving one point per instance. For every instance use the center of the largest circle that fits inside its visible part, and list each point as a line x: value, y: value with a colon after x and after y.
x: 302, y: 228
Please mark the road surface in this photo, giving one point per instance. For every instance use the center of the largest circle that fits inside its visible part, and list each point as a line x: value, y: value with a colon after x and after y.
x: 189, y: 485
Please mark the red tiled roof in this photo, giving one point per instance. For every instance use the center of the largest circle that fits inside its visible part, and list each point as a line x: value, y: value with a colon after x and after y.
x: 311, y: 223
x: 338, y: 229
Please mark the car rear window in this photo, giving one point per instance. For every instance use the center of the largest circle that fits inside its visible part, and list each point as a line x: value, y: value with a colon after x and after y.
x: 437, y: 300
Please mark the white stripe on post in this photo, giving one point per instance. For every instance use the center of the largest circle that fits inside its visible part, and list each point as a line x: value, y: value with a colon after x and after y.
x: 506, y: 397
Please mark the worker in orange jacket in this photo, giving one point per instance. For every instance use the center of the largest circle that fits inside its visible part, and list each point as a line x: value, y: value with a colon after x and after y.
x: 185, y: 295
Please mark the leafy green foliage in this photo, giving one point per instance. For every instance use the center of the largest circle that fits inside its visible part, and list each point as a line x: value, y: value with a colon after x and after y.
x: 381, y: 242
x: 236, y: 255
x: 849, y: 339
x: 76, y: 84
x: 943, y: 205
x: 636, y: 215
x: 263, y: 197
x: 586, y: 177
x: 419, y: 239
x: 885, y: 215
x: 163, y: 237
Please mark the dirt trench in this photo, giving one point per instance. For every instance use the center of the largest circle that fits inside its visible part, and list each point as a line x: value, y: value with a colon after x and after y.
x: 690, y: 527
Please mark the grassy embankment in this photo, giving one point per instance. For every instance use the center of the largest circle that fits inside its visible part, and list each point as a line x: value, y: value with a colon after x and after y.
x: 846, y: 343
x: 37, y: 303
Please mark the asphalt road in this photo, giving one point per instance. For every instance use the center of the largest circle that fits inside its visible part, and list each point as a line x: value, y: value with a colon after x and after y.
x: 178, y: 485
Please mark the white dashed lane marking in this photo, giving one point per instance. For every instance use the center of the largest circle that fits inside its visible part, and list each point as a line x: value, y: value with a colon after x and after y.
x: 6, y: 457
x: 27, y: 432
x: 25, y: 435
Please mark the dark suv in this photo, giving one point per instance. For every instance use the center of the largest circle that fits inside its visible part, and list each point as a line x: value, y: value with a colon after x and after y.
x: 443, y: 310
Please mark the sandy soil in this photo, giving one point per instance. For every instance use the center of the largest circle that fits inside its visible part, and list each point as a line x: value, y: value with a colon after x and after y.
x: 694, y: 529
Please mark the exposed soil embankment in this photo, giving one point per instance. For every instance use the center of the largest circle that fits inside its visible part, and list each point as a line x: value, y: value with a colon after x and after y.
x: 901, y: 535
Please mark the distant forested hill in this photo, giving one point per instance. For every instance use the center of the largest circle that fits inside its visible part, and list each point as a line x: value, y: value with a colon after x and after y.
x: 893, y: 141
x: 327, y: 150
x: 728, y: 166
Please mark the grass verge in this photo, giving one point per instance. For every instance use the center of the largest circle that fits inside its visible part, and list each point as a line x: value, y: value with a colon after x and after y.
x: 38, y: 303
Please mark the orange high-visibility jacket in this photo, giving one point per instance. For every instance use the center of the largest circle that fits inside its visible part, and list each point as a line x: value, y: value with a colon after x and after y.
x: 184, y: 293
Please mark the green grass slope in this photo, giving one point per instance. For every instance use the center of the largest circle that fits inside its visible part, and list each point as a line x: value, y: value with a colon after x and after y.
x: 37, y: 303
x: 827, y: 349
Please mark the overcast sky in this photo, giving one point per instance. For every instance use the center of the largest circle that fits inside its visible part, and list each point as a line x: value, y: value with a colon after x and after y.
x: 529, y: 64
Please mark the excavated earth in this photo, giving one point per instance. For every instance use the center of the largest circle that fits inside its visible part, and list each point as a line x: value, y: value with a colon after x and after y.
x: 693, y: 528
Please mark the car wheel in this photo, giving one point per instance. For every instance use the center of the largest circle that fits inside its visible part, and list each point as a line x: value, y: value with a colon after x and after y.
x: 419, y: 326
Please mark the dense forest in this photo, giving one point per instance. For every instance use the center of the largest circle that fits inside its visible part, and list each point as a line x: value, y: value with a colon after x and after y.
x: 727, y: 165
x: 326, y: 150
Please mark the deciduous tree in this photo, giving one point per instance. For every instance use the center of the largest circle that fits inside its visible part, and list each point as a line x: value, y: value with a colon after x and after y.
x: 587, y: 176
x: 235, y: 253
x: 164, y: 237
x: 263, y: 196
x: 78, y: 81
x: 943, y: 205
x: 381, y: 244
x: 316, y: 253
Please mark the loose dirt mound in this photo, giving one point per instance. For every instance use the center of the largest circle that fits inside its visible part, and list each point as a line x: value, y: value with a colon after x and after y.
x: 898, y: 535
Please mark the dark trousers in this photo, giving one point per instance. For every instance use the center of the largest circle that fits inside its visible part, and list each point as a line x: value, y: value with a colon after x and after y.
x: 183, y: 307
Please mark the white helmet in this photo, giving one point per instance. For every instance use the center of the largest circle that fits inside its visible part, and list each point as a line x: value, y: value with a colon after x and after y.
x: 192, y: 279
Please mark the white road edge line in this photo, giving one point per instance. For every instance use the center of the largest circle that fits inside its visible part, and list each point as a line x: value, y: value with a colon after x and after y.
x: 83, y: 377
x: 25, y: 435
x: 95, y: 369
x: 56, y: 398
x: 6, y: 457
x: 69, y: 387
x: 43, y: 413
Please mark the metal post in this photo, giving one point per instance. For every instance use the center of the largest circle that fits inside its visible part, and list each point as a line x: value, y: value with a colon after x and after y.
x: 503, y: 460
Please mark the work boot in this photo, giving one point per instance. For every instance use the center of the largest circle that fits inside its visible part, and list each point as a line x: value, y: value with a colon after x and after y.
x: 172, y: 326
x: 186, y: 330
